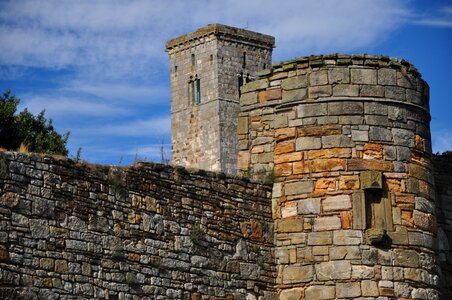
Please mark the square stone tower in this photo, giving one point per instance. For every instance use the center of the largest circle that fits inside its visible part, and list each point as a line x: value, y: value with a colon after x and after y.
x: 207, y: 69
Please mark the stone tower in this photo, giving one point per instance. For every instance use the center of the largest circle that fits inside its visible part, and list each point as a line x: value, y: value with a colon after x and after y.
x: 208, y: 67
x: 346, y: 140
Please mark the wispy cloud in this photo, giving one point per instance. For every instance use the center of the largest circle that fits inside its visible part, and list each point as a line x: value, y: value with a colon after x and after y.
x: 442, y: 140
x: 155, y: 127
x: 441, y: 18
x: 58, y: 107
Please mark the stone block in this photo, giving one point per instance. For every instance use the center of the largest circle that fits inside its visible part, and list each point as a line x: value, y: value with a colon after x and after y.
x: 293, y: 95
x: 61, y: 266
x: 337, y: 141
x: 273, y: 94
x: 308, y: 143
x: 406, y: 258
x: 296, y: 274
x: 288, y: 211
x: 287, y: 157
x: 380, y: 134
x: 345, y: 252
x: 335, y: 203
x: 348, y: 289
x: 299, y: 187
x: 292, y: 294
x: 339, y: 75
x: 387, y: 76
x: 347, y: 237
x: 375, y: 108
x: 359, y: 210
x: 280, y: 121
x: 309, y: 206
x: 403, y: 137
x: 345, y: 108
x: 349, y: 182
x: 377, y: 120
x: 255, y: 85
x: 318, y: 292
x: 371, y: 180
x: 249, y: 98
x: 315, y: 92
x: 360, y: 135
x: 362, y: 272
x: 330, y: 153
x: 295, y: 82
x: 369, y: 288
x: 285, y: 133
x: 312, y: 110
x: 39, y: 228
x: 284, y: 169
x: 327, y: 165
x: 319, y: 77
x: 395, y: 93
x: 242, y: 125
x: 320, y: 238
x: 9, y: 199
x: 243, y: 160
x: 333, y: 270
x: 377, y: 91
x: 285, y: 147
x: 363, y: 76
x: 369, y: 164
x: 319, y: 130
x: 424, y: 205
x: 290, y: 225
x: 327, y: 223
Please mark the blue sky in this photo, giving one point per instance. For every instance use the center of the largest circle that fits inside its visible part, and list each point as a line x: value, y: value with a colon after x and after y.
x: 100, y: 70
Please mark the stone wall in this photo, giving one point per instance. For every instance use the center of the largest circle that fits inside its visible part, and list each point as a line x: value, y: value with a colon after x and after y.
x: 346, y: 139
x: 75, y: 231
x: 443, y: 185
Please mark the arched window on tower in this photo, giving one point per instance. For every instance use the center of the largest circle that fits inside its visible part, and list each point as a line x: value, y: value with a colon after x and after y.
x: 194, y: 90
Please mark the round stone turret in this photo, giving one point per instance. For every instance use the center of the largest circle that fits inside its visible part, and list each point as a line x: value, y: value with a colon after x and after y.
x: 346, y: 140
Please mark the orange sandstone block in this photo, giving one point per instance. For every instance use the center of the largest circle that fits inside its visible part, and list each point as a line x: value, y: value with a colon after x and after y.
x: 288, y: 157
x: 284, y: 169
x: 325, y: 184
x: 262, y: 96
x: 373, y: 151
x: 407, y: 217
x: 327, y: 165
x: 243, y: 160
x: 349, y: 182
x: 394, y: 185
x: 300, y: 167
x: 330, y: 153
x: 257, y: 149
x: 346, y: 219
x: 419, y: 142
x: 285, y: 147
x: 285, y: 133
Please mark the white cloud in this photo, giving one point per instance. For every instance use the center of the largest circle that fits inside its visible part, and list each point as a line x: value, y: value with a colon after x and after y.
x: 63, y: 107
x: 151, y: 127
x: 442, y: 140
x: 113, y: 39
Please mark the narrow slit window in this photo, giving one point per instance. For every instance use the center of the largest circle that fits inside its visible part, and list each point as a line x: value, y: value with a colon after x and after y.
x: 244, y: 60
x: 198, y: 91
x: 240, y: 79
x: 192, y: 87
x: 193, y: 59
x: 211, y: 58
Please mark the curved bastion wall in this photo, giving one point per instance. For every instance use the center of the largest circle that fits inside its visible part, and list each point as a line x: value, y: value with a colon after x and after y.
x: 346, y: 140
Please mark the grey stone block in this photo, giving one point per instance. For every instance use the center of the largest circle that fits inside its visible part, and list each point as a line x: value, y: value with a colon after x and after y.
x: 339, y: 75
x: 311, y: 110
x: 380, y: 134
x: 308, y: 143
x: 319, y: 91
x: 294, y: 95
x: 319, y: 77
x: 346, y: 90
x: 364, y: 76
x: 387, y: 77
x: 294, y: 82
x: 299, y: 187
x: 345, y: 108
x: 336, y: 141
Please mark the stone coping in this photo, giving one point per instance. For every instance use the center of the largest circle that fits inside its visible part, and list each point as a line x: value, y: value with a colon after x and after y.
x: 223, y: 31
x: 317, y: 61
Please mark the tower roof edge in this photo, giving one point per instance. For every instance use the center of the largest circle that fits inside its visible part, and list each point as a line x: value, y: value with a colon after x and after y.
x: 223, y: 31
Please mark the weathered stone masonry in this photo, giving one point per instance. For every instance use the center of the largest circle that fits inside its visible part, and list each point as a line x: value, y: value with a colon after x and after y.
x: 347, y: 139
x: 71, y: 231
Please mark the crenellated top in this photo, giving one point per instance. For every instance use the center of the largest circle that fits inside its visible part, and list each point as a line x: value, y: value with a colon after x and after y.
x: 335, y: 77
x: 224, y: 32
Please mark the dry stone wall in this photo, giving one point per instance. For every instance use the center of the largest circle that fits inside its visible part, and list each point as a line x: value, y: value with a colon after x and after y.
x: 74, y: 231
x: 346, y: 139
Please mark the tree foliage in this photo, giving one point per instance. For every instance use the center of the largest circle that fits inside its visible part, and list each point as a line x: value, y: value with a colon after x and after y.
x: 36, y: 132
